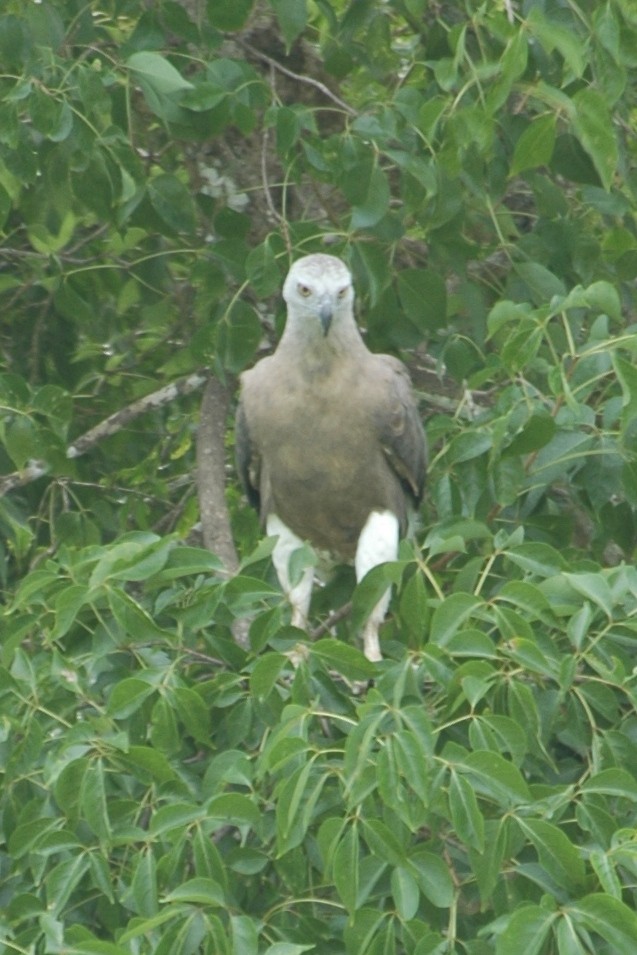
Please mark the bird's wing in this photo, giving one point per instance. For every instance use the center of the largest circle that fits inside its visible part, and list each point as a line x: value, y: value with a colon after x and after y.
x: 400, y: 428
x: 247, y: 459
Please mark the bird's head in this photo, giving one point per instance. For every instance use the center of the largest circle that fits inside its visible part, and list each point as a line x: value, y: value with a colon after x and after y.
x: 319, y: 288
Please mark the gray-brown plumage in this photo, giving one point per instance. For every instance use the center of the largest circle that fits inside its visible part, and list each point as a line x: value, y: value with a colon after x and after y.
x: 329, y: 443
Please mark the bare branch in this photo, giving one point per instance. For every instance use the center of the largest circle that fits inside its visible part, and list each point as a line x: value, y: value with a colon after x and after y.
x: 119, y: 420
x: 211, y: 473
x: 335, y: 617
x: 211, y: 486
x: 268, y: 195
x: 111, y: 425
x: 33, y: 471
x: 308, y: 80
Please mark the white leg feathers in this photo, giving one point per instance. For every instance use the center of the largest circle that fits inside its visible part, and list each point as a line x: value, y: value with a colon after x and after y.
x: 300, y: 594
x: 377, y: 544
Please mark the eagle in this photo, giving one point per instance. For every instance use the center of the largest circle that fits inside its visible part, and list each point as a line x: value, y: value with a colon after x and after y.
x: 329, y: 444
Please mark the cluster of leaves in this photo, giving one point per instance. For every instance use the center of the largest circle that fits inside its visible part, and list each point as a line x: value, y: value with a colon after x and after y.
x: 171, y: 792
x: 163, y: 789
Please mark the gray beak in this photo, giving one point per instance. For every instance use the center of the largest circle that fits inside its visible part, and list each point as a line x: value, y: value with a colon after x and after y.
x: 325, y: 315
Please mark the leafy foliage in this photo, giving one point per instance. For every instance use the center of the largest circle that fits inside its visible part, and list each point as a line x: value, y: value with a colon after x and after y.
x: 165, y: 790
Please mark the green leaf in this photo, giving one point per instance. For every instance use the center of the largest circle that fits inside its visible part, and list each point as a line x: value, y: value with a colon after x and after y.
x: 346, y: 660
x: 238, y: 336
x: 172, y: 202
x: 423, y: 295
x: 131, y: 552
x: 537, y: 432
x: 176, y: 816
x: 554, y: 35
x: 63, y: 880
x: 292, y: 17
x: 434, y: 878
x: 609, y: 918
x: 200, y: 891
x: 22, y: 440
x: 127, y: 697
x: 193, y: 713
x: 155, y: 70
x: 612, y: 782
x: 538, y: 559
x: 383, y: 843
x: 593, y: 587
x: 90, y: 946
x: 143, y: 886
x: 93, y: 803
x: 526, y: 931
x: 234, y: 809
x: 346, y: 868
x: 593, y: 126
x: 406, y: 893
x: 568, y: 941
x: 557, y: 854
x: 287, y: 948
x: 148, y: 765
x: 450, y: 616
x: 161, y: 83
x: 375, y: 204
x: 465, y: 815
x: 604, y: 297
x: 295, y: 805
x: 68, y: 604
x: 605, y: 871
x: 497, y: 778
x: 527, y: 598
x: 412, y: 752
x: 542, y: 284
x: 262, y: 269
x: 245, y: 939
x: 535, y: 145
x: 146, y: 925
x: 414, y: 607
x: 265, y: 673
x: 468, y: 445
x: 229, y: 16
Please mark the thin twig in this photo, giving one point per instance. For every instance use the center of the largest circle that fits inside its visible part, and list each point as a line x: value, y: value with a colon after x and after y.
x: 112, y: 424
x: 119, y: 420
x: 308, y: 80
x: 33, y: 471
x: 203, y: 657
x: 268, y: 195
x: 335, y: 617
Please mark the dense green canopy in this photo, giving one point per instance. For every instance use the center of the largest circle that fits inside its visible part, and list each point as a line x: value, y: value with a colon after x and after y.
x: 169, y: 786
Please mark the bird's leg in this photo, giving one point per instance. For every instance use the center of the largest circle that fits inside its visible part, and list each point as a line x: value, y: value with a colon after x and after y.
x: 300, y: 593
x: 378, y: 543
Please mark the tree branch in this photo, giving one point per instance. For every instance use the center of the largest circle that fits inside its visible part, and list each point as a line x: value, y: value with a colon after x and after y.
x: 211, y: 473
x: 106, y: 428
x: 308, y: 80
x: 33, y: 471
x: 119, y: 420
x: 211, y: 486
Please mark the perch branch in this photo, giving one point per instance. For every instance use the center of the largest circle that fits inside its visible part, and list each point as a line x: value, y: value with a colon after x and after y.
x: 211, y: 473
x: 211, y: 486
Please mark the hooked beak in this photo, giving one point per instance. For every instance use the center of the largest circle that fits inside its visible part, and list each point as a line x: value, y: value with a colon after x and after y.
x: 325, y: 315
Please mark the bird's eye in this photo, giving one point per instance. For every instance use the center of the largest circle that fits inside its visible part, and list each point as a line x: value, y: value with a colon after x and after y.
x: 342, y: 292
x: 304, y: 291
